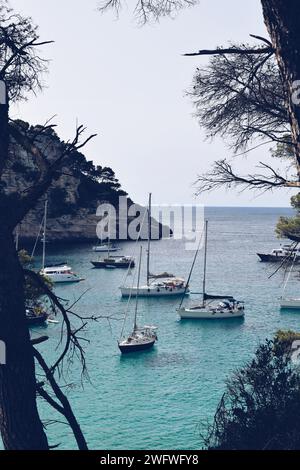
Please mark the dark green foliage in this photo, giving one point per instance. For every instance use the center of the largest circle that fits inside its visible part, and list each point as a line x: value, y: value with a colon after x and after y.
x: 289, y: 227
x: 261, y: 406
x: 34, y: 295
x: 97, y: 183
x: 58, y: 203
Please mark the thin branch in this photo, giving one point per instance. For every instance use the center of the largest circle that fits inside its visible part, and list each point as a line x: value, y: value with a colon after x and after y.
x: 222, y: 174
x: 231, y: 50
x: 66, y: 409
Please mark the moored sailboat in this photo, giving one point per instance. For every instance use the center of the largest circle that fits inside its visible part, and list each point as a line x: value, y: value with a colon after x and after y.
x: 141, y: 338
x: 289, y: 302
x: 55, y: 273
x: 212, y: 306
x: 160, y: 285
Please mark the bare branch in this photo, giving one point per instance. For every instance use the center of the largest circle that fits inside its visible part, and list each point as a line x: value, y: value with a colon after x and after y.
x: 65, y: 409
x: 222, y: 174
x: 231, y: 50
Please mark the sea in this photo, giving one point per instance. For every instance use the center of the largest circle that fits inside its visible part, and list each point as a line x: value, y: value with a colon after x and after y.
x: 165, y: 398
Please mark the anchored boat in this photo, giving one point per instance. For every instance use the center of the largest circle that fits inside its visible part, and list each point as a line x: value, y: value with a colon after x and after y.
x: 285, y: 253
x: 104, y: 247
x: 141, y: 338
x: 159, y: 285
x: 55, y: 273
x: 114, y: 262
x: 289, y: 302
x: 212, y: 306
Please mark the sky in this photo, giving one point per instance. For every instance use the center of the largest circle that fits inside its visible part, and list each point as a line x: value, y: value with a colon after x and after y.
x: 128, y: 84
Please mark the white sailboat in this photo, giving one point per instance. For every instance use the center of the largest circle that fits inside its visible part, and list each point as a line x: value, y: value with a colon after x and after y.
x: 161, y: 285
x: 141, y: 338
x: 214, y: 307
x: 108, y: 247
x: 55, y: 273
x: 289, y: 302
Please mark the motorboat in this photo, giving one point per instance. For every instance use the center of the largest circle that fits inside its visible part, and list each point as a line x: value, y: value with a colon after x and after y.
x: 283, y: 253
x: 114, y: 262
x: 60, y: 274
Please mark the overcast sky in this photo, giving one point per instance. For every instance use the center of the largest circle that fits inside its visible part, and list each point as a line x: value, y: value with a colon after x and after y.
x: 127, y: 83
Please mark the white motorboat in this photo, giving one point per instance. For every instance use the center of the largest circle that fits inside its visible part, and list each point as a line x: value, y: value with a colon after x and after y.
x: 141, y: 338
x: 160, y: 285
x: 213, y: 307
x: 58, y: 274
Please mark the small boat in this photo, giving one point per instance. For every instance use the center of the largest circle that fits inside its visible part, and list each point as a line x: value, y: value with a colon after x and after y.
x: 141, y: 338
x: 214, y: 307
x: 106, y: 247
x: 115, y: 262
x: 59, y: 273
x: 159, y: 285
x: 35, y: 318
x: 283, y: 253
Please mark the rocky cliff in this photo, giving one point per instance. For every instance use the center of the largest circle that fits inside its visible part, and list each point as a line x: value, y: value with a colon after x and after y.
x: 73, y: 197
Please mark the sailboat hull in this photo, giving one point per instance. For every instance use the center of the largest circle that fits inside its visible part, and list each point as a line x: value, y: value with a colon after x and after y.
x: 207, y: 314
x: 130, y: 348
x: 105, y: 249
x: 290, y: 303
x: 153, y: 291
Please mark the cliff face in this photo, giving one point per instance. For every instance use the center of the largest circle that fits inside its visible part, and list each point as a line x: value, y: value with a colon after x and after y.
x: 72, y: 199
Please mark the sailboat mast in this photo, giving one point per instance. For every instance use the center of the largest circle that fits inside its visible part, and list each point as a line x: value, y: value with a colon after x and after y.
x: 137, y: 291
x: 149, y: 239
x: 44, y: 234
x: 205, y: 263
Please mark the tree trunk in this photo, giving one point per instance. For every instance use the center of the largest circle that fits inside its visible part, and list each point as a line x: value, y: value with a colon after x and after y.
x: 3, y: 125
x: 282, y: 18
x: 20, y: 425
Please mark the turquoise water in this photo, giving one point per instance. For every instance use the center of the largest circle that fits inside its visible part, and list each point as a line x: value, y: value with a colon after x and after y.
x: 162, y: 398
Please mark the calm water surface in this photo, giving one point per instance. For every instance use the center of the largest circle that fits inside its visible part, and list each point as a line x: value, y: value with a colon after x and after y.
x: 162, y: 398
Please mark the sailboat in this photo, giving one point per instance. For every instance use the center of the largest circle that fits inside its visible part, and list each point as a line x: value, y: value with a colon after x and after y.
x: 161, y: 285
x: 141, y: 338
x: 56, y: 273
x: 290, y: 302
x: 102, y: 247
x: 226, y: 307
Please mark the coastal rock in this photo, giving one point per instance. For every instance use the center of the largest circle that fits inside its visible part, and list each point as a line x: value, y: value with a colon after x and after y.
x: 73, y: 197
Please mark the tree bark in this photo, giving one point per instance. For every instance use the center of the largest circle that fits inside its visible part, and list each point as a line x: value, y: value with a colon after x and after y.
x: 4, y: 135
x: 282, y: 18
x: 20, y: 425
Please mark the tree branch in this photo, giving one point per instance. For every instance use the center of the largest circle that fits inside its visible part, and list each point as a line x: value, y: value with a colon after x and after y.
x: 222, y: 174
x: 231, y: 50
x: 65, y: 409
